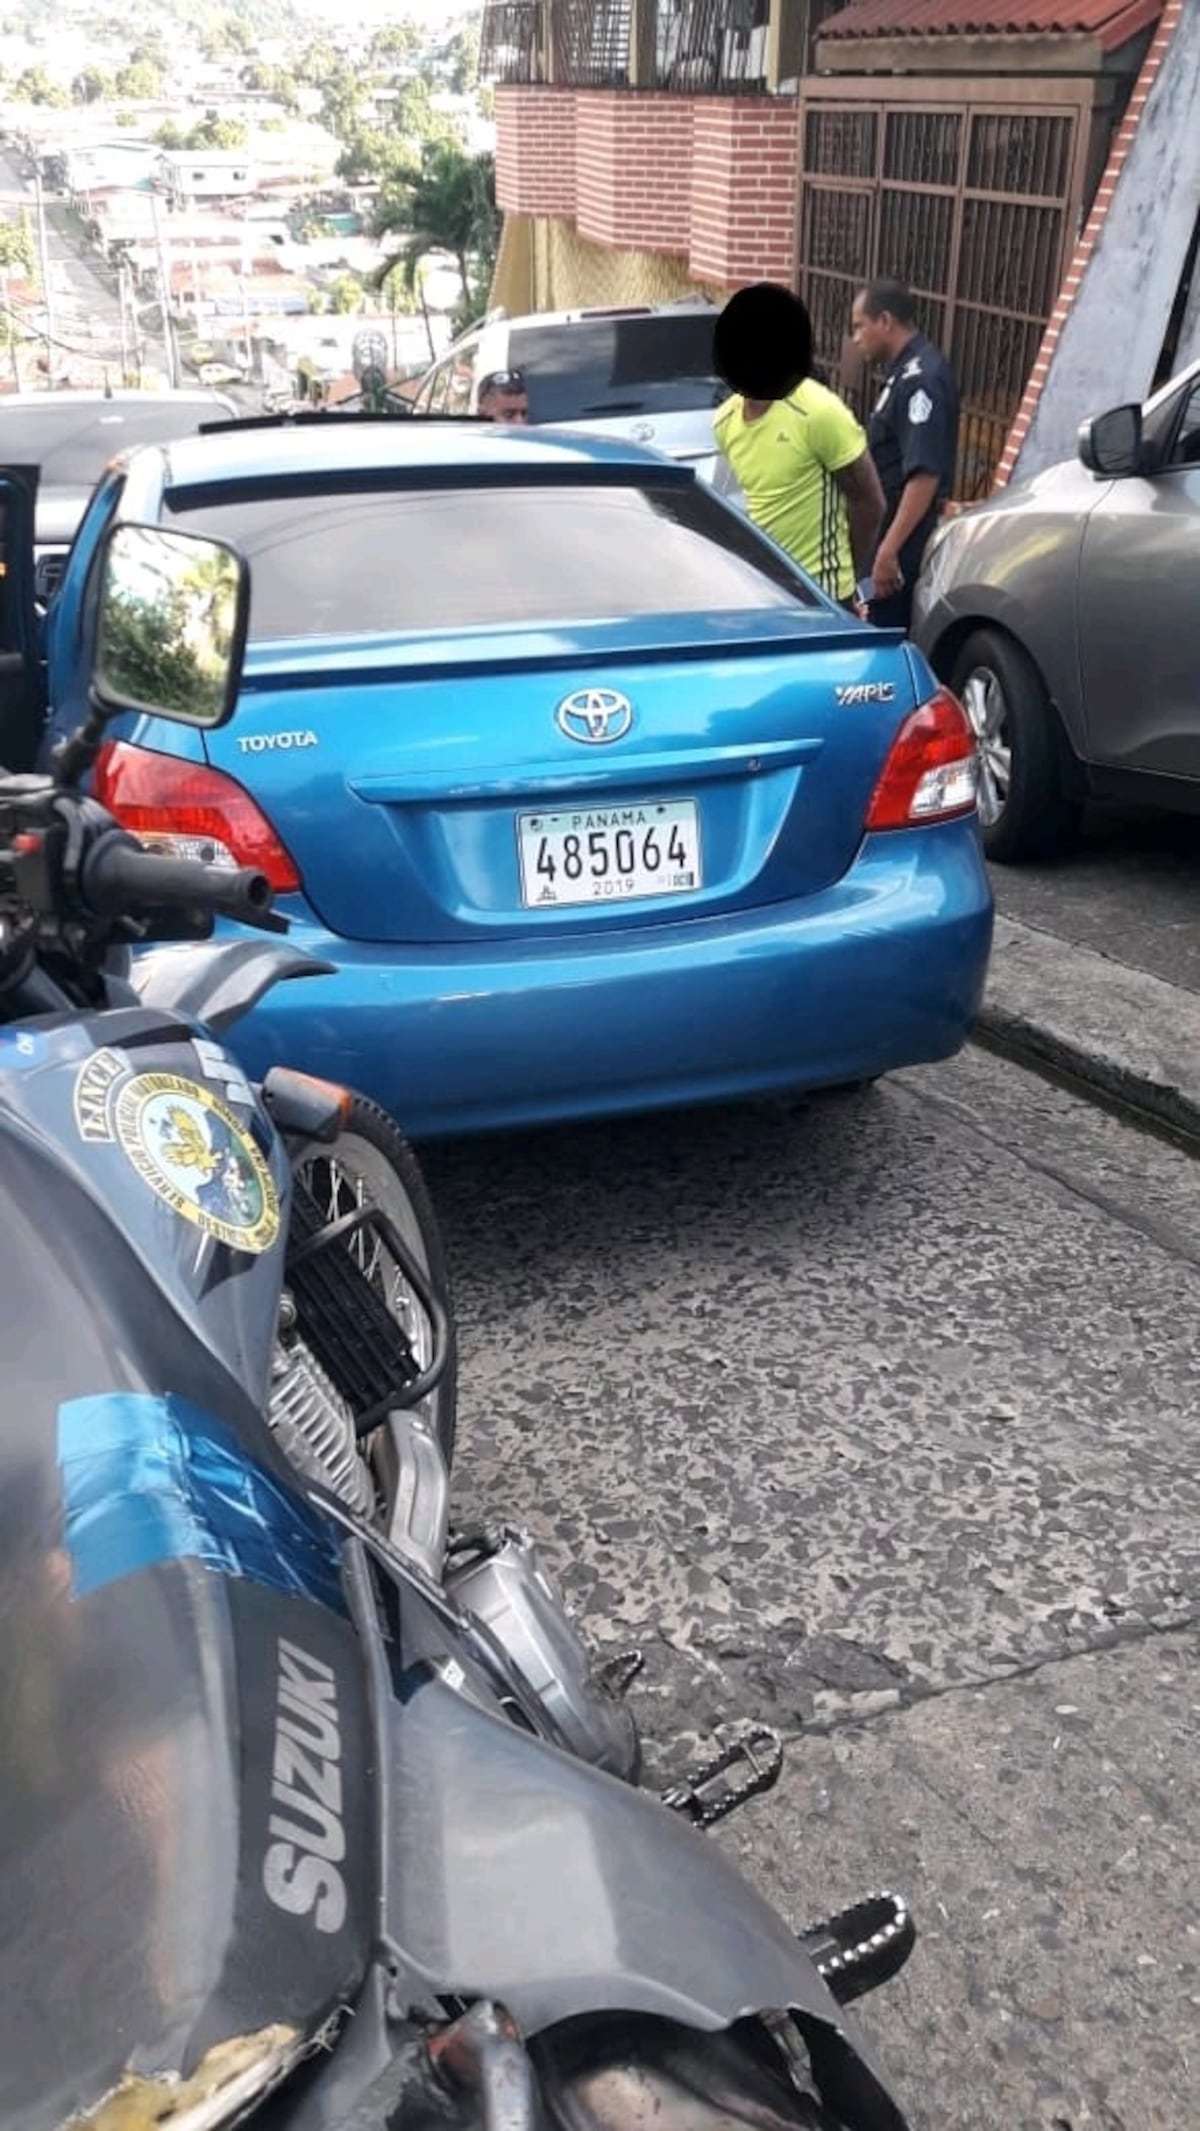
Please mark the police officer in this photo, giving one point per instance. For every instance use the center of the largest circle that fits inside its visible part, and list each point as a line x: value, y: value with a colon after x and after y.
x: 913, y: 436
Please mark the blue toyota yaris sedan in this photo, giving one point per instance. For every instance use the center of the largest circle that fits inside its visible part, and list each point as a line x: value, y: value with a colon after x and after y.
x: 596, y: 803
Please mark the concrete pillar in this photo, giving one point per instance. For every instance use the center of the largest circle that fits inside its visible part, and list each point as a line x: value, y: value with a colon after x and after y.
x: 1108, y: 327
x: 1189, y: 332
x: 643, y: 41
x: 787, y: 41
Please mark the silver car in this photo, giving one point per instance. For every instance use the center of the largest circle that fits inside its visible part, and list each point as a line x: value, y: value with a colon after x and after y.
x: 1066, y: 614
x: 640, y: 372
x: 70, y: 437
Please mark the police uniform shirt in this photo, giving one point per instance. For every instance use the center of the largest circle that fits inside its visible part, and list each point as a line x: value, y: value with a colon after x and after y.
x: 914, y: 430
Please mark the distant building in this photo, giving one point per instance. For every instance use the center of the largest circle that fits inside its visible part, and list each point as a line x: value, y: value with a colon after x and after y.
x: 191, y: 174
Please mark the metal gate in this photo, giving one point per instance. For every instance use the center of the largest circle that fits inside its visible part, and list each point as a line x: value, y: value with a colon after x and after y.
x: 974, y: 200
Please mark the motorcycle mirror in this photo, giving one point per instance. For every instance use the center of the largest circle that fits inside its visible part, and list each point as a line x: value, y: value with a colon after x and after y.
x: 171, y: 626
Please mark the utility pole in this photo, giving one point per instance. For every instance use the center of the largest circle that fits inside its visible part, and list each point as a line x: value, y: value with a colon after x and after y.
x: 44, y: 257
x: 246, y: 319
x: 165, y: 290
x: 10, y: 322
x: 122, y: 295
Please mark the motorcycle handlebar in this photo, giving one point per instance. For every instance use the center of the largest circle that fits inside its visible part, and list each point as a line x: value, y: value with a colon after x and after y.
x: 119, y: 876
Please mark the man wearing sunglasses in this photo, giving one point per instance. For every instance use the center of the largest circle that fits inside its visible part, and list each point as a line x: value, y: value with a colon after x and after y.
x: 503, y: 397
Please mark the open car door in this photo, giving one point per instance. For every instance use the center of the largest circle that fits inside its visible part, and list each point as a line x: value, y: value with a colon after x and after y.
x: 22, y: 684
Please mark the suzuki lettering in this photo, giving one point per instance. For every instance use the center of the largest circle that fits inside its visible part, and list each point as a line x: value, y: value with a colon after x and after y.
x: 596, y: 716
x: 300, y: 1871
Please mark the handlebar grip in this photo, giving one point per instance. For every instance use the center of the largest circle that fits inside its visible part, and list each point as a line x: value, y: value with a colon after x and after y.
x: 119, y: 876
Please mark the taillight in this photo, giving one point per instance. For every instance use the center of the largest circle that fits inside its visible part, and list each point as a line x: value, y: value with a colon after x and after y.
x: 932, y: 771
x: 189, y: 810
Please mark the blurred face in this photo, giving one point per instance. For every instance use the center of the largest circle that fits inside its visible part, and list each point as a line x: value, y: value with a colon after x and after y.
x: 505, y: 405
x: 873, y: 337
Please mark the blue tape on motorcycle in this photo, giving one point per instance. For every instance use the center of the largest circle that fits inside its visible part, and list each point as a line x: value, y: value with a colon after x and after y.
x: 150, y: 1480
x: 21, y: 1050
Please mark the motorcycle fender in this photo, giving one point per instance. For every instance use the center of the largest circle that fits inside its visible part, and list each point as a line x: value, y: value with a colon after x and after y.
x: 218, y: 984
x: 519, y: 1874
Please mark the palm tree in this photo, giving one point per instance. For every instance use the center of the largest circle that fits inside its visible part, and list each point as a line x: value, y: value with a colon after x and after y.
x: 448, y: 204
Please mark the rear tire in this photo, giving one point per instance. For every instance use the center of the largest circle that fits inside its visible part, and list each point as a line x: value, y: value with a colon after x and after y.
x: 1024, y: 811
x: 635, y: 2072
x: 372, y: 1159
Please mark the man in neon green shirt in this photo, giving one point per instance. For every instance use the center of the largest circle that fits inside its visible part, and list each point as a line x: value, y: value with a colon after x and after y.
x: 800, y: 456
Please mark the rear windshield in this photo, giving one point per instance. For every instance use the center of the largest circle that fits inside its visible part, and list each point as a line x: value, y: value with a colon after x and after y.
x: 352, y: 565
x: 72, y: 446
x: 615, y: 366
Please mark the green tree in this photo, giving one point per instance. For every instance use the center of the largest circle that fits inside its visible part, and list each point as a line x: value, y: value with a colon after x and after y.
x: 463, y: 59
x: 450, y: 206
x: 34, y: 86
x: 141, y: 81
x: 396, y: 41
x: 373, y: 156
x: 318, y: 61
x: 16, y: 246
x: 414, y: 119
x: 275, y: 82
x: 342, y: 100
x: 214, y: 131
x: 346, y: 295
x: 93, y: 86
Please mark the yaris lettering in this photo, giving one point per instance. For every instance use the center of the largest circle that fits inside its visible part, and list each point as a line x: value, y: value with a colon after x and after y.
x: 300, y: 1872
x: 865, y: 692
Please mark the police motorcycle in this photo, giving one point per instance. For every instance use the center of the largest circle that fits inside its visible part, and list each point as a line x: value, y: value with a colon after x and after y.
x: 314, y: 1810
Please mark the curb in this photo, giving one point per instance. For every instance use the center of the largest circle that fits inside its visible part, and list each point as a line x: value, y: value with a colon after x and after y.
x: 1118, y: 1035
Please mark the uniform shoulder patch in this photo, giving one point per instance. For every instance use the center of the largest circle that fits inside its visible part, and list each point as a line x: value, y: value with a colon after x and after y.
x: 920, y: 407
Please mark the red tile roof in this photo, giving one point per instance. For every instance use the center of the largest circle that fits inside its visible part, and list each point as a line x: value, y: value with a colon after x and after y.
x: 1111, y: 22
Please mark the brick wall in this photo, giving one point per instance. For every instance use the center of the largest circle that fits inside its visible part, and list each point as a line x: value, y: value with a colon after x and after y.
x: 1085, y: 249
x: 709, y: 181
x: 744, y: 190
x: 633, y: 152
x: 535, y: 151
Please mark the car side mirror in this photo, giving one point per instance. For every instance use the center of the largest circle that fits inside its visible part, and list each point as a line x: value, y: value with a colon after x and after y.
x: 171, y: 626
x: 1111, y: 444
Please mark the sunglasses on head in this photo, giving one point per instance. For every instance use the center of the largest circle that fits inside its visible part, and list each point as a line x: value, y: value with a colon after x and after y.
x: 502, y: 381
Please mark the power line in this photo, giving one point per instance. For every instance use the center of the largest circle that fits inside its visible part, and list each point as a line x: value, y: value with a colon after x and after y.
x: 33, y: 334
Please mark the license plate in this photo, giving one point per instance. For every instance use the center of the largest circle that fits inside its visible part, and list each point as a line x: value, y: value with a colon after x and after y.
x: 609, y: 854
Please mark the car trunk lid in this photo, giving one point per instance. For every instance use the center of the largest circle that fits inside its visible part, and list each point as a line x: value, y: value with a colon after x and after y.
x: 505, y: 783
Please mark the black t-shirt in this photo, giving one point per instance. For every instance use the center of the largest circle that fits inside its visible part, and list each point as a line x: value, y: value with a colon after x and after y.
x: 914, y: 430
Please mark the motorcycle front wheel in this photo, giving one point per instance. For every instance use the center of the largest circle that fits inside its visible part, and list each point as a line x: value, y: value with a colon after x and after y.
x: 371, y: 1163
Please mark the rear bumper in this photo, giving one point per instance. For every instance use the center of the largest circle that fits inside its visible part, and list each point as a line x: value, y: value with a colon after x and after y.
x: 882, y: 970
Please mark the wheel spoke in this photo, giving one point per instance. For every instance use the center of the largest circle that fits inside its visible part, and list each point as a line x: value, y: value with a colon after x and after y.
x: 339, y: 1189
x: 985, y: 705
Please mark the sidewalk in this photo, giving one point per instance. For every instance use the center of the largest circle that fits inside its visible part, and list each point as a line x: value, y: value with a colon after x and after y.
x: 1124, y: 1036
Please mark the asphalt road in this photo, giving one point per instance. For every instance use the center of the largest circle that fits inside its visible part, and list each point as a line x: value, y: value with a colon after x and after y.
x: 1130, y: 888
x: 879, y: 1420
x: 85, y: 315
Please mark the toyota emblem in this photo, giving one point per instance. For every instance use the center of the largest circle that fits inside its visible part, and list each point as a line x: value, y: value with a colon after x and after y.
x: 596, y: 716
